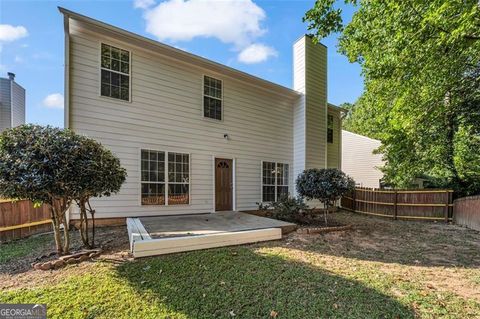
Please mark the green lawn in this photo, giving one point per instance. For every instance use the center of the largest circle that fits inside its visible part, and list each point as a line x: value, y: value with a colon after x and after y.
x: 301, y: 277
x: 21, y: 248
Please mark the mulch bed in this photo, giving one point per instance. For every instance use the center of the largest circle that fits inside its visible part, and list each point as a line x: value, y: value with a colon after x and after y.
x: 314, y: 223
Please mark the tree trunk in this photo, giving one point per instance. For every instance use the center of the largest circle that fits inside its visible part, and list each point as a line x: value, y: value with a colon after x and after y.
x: 56, y: 231
x: 66, y: 235
x: 325, y: 213
x: 450, y: 131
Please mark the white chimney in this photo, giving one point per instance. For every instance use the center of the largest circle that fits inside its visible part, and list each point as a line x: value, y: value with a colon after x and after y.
x: 310, y: 114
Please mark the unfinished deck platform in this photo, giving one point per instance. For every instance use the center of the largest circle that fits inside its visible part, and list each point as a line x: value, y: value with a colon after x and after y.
x: 159, y: 235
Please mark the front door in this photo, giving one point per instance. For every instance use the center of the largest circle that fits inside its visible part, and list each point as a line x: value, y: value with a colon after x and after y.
x: 223, y: 184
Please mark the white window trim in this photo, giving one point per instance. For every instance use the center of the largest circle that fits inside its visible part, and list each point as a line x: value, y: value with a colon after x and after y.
x: 276, y: 180
x: 166, y: 182
x: 222, y: 109
x: 100, y: 68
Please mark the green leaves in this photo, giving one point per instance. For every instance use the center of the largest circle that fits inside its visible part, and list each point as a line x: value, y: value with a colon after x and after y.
x: 421, y: 64
x: 326, y: 185
x: 45, y: 163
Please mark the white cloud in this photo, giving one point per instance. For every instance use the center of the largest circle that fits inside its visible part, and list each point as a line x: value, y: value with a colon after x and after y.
x: 53, y: 101
x: 10, y: 33
x: 143, y: 4
x: 18, y: 59
x: 234, y: 21
x: 256, y: 53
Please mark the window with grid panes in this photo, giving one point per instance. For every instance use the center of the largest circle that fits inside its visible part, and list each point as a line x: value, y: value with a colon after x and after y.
x: 274, y: 181
x: 212, y: 98
x: 156, y: 185
x: 115, y: 72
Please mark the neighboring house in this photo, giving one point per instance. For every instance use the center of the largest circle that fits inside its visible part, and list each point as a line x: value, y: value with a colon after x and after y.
x: 359, y: 161
x: 12, y: 103
x: 195, y: 136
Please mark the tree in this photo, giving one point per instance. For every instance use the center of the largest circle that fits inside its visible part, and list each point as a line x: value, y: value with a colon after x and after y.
x: 421, y: 63
x: 51, y: 166
x: 98, y: 174
x: 325, y: 185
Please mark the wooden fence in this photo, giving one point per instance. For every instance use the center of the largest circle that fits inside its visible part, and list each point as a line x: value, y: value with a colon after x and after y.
x: 422, y: 204
x: 467, y: 212
x: 20, y: 219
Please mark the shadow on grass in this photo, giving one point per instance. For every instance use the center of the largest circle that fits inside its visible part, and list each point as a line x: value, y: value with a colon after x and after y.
x: 220, y: 283
x: 396, y: 241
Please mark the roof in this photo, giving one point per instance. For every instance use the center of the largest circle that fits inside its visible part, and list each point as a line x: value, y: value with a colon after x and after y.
x: 175, y: 53
x: 337, y: 108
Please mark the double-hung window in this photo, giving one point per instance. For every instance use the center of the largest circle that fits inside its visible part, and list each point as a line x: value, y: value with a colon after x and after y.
x: 330, y: 129
x: 212, y: 98
x: 159, y: 188
x: 115, y: 72
x: 274, y: 181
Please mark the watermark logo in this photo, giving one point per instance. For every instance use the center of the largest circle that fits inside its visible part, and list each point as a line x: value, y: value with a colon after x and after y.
x: 23, y: 311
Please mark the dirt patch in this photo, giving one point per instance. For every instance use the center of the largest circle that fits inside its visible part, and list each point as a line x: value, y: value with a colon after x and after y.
x: 19, y: 273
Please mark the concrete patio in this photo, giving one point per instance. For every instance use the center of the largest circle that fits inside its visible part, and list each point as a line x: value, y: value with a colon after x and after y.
x: 159, y: 235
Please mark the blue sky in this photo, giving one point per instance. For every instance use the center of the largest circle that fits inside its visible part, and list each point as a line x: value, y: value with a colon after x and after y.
x: 32, y: 42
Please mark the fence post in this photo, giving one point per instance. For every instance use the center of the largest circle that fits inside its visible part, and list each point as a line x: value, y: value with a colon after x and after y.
x: 354, y: 197
x: 447, y: 205
x: 395, y: 206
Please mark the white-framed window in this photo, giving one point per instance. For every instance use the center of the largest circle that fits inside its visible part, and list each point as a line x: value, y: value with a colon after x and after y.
x: 330, y: 128
x: 212, y: 98
x: 158, y: 188
x: 115, y: 72
x: 274, y: 181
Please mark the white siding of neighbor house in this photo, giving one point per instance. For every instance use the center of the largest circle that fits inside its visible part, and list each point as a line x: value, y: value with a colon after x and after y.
x: 18, y: 105
x: 358, y: 160
x: 5, y: 101
x: 166, y: 114
x: 334, y: 149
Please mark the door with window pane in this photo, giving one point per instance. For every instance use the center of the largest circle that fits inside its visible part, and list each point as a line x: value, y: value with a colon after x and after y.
x: 223, y: 184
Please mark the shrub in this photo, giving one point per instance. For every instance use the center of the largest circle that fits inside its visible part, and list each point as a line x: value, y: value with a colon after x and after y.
x: 325, y: 185
x: 56, y: 167
x: 289, y: 209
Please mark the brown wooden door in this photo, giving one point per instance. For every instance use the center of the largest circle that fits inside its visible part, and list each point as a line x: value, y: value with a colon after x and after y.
x: 223, y: 184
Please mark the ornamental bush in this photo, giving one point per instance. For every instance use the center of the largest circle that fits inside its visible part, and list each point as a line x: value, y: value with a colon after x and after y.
x: 325, y: 185
x: 56, y: 167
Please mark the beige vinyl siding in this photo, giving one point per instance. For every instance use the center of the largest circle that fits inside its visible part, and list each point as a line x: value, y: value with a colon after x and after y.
x: 358, y: 160
x: 316, y: 105
x: 334, y: 149
x: 166, y: 113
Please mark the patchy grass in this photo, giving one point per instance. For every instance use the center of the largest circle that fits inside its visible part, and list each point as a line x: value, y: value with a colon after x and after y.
x: 22, y: 248
x: 357, y: 274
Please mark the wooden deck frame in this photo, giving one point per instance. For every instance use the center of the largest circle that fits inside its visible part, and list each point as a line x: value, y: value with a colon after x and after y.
x: 143, y: 245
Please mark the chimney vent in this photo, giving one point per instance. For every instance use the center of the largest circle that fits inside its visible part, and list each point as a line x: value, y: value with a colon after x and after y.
x: 11, y: 76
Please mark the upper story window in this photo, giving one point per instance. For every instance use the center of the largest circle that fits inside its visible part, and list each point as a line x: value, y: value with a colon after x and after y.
x: 330, y: 128
x: 212, y: 98
x: 274, y: 181
x: 115, y: 73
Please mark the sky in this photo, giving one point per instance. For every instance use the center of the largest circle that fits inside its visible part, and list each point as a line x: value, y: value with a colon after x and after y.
x: 253, y: 36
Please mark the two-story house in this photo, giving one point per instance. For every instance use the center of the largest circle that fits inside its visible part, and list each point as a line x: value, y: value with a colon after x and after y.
x: 195, y: 136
